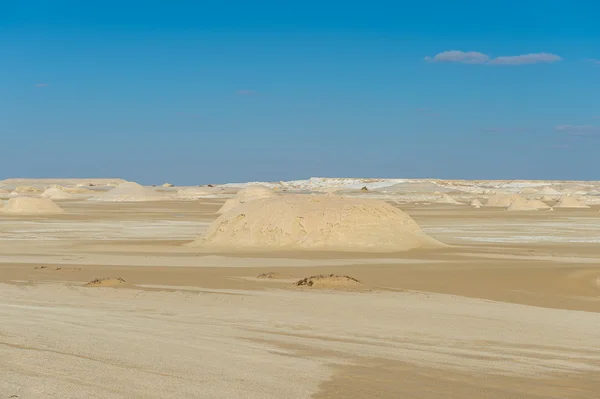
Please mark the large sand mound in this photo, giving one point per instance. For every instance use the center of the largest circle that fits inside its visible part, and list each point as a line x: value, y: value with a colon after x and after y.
x: 56, y: 193
x: 131, y: 192
x: 306, y: 222
x: 31, y: 206
x: 569, y: 202
x: 250, y: 193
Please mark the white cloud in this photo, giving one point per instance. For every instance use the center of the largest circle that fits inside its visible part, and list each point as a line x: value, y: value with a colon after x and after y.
x: 469, y: 57
x: 526, y: 59
x: 474, y: 57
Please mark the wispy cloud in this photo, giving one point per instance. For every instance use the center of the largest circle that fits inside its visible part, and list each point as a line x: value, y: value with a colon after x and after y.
x: 42, y: 85
x: 468, y: 57
x: 594, y: 61
x: 475, y: 57
x: 246, y: 92
x: 526, y: 59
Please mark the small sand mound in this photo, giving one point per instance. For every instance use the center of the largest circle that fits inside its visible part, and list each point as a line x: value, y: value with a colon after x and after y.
x: 25, y: 190
x: 330, y: 281
x: 521, y: 204
x: 167, y: 185
x: 446, y: 199
x: 548, y: 198
x: 273, y: 275
x: 130, y: 192
x: 569, y: 202
x: 503, y: 200
x: 476, y: 203
x: 539, y: 204
x: 250, y: 193
x: 106, y: 282
x: 56, y: 193
x: 31, y: 206
x: 315, y: 223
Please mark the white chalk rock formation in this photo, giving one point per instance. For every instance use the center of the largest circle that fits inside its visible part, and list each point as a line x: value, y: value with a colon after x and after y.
x: 56, y: 193
x: 315, y: 223
x: 569, y: 202
x: 248, y: 194
x: 31, y: 206
x: 130, y: 192
x: 199, y: 192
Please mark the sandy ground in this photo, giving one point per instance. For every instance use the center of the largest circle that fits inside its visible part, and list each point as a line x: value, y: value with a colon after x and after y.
x: 510, y: 310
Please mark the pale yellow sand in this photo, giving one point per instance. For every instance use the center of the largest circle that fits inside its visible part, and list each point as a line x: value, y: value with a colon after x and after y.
x: 509, y: 310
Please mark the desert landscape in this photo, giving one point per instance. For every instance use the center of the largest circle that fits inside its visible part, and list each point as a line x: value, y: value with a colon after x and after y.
x: 317, y: 288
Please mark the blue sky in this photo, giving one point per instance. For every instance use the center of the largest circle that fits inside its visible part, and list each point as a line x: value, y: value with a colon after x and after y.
x: 196, y: 92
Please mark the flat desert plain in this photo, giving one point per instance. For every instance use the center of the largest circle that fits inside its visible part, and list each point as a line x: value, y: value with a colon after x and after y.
x: 108, y: 299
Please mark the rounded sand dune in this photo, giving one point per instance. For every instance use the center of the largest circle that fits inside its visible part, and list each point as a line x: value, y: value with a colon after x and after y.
x: 55, y: 193
x: 315, y: 223
x: 247, y: 194
x: 31, y: 206
x: 131, y: 192
x: 569, y: 202
x: 502, y: 200
x: 521, y: 204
